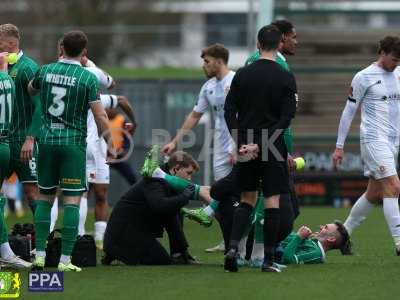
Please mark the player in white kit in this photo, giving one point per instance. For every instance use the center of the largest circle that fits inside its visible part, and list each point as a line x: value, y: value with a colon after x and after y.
x: 212, y: 96
x: 97, y: 169
x: 377, y: 90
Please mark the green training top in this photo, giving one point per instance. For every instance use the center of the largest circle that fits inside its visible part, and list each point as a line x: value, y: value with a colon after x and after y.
x: 299, y: 251
x: 7, y: 98
x: 66, y: 89
x: 26, y: 110
x: 280, y: 59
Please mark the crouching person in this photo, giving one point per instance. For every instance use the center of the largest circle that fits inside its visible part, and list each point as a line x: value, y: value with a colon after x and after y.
x: 142, y: 214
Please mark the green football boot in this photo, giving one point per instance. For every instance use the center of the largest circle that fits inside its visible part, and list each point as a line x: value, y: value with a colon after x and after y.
x: 151, y: 161
x: 198, y: 215
x: 68, y: 267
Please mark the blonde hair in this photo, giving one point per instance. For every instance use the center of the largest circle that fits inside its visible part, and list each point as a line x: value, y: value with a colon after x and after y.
x: 9, y: 30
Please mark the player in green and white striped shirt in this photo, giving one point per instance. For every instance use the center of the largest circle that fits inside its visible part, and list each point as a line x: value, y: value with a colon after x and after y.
x: 25, y: 115
x: 67, y: 91
x: 7, y: 99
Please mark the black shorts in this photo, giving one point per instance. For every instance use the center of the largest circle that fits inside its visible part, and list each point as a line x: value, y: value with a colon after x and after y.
x: 272, y: 175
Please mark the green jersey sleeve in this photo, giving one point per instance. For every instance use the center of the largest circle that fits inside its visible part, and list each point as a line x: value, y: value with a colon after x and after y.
x: 34, y: 127
x: 299, y: 251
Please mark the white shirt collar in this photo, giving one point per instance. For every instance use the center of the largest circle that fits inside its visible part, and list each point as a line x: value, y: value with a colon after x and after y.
x: 19, y: 55
x: 323, y: 251
x: 281, y: 56
x: 69, y: 61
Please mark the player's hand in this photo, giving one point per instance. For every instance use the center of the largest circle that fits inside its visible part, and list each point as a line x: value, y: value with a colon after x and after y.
x: 84, y: 60
x: 131, y: 128
x: 233, y: 158
x: 168, y: 148
x: 27, y: 149
x: 112, y: 155
x: 304, y: 232
x: 291, y: 163
x: 337, y: 157
x: 248, y: 152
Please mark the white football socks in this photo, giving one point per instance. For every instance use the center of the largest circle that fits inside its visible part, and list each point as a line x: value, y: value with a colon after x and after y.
x: 158, y: 173
x: 358, y: 213
x: 54, y: 214
x: 258, y: 251
x: 392, y: 216
x: 6, y: 251
x: 99, y: 229
x: 242, y: 247
x: 83, y: 208
x: 209, y: 211
x: 65, y: 259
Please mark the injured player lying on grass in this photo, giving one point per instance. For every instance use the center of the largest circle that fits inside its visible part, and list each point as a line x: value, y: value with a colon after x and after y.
x: 303, y: 247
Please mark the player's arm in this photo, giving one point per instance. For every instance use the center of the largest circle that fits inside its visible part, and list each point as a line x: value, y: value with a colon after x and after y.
x: 105, y: 79
x: 357, y: 92
x: 190, y: 122
x: 290, y: 252
x: 158, y: 200
x: 231, y: 107
x: 127, y: 108
x: 101, y: 119
x: 32, y: 89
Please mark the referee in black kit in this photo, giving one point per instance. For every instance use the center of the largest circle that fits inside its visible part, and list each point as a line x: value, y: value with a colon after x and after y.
x: 261, y: 103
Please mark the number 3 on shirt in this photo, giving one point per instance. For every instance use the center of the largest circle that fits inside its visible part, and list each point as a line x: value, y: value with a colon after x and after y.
x: 58, y: 106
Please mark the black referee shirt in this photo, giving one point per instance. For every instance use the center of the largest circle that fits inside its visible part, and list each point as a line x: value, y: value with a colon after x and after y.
x: 262, y: 96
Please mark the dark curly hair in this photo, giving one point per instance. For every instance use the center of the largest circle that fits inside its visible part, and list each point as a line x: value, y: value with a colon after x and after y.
x: 390, y: 44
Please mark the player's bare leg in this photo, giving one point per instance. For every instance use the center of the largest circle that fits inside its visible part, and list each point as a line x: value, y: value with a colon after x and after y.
x: 83, y: 209
x: 31, y: 193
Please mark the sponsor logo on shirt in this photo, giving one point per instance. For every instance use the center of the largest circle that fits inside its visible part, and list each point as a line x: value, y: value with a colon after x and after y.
x: 394, y: 96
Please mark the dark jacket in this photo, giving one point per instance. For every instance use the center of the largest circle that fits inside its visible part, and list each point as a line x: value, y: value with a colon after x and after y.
x: 147, y: 204
x: 262, y: 96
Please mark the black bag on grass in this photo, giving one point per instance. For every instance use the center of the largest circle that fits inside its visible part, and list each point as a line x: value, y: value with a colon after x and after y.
x: 83, y: 254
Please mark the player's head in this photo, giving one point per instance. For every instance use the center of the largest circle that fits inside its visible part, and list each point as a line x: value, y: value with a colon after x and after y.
x: 182, y: 164
x: 3, y: 61
x: 9, y: 38
x: 389, y: 53
x: 73, y: 44
x: 289, y: 36
x: 334, y: 236
x: 215, y: 58
x: 268, y: 38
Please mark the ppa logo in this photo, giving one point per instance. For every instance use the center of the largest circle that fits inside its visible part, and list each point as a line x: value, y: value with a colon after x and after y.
x: 46, y: 281
x: 10, y: 285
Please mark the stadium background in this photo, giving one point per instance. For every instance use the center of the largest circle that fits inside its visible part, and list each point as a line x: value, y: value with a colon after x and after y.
x: 152, y: 48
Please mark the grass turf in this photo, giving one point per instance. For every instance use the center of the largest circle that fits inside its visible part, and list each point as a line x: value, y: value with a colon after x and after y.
x: 369, y: 274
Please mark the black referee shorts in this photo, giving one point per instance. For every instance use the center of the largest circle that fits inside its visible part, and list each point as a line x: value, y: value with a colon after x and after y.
x: 272, y: 175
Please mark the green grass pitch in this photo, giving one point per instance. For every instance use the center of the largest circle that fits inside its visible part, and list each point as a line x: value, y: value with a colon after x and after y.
x: 372, y: 273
